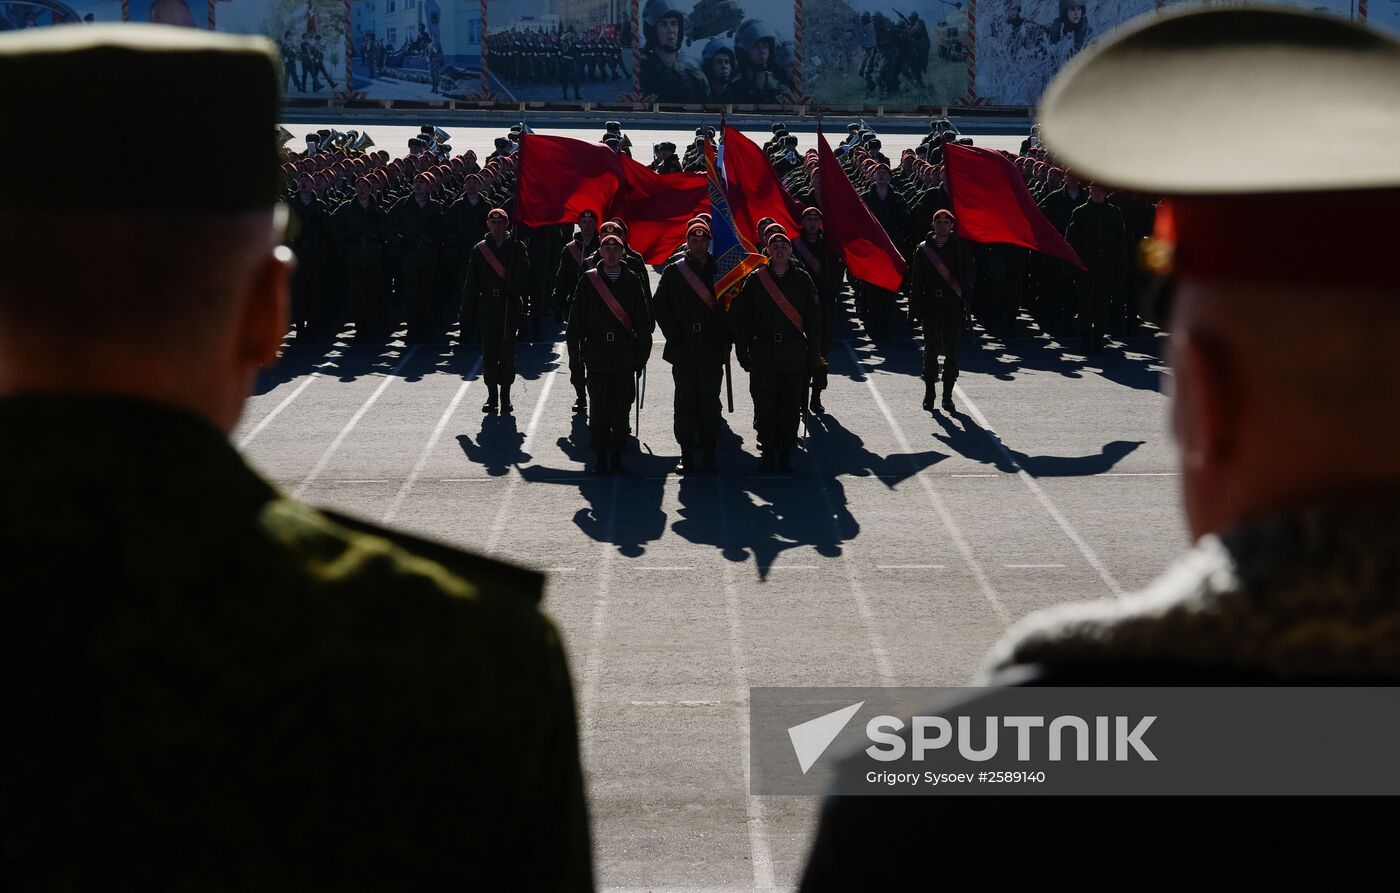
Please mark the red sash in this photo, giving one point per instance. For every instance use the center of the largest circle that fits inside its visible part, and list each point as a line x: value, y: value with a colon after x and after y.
x: 490, y: 256
x: 600, y: 285
x: 780, y: 299
x: 808, y: 257
x: 700, y: 290
x: 942, y: 268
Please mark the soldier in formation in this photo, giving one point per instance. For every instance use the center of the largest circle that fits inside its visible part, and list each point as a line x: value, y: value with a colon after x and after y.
x: 491, y: 300
x: 610, y: 319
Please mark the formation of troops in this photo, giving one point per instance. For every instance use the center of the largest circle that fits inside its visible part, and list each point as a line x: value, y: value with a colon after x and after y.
x: 526, y: 57
x: 429, y: 241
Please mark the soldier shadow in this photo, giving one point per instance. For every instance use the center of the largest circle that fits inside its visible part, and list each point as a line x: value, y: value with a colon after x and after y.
x: 497, y: 446
x: 293, y: 363
x: 1128, y: 365
x: 534, y: 360
x: 761, y: 517
x: 621, y: 509
x: 356, y: 360
x: 970, y: 440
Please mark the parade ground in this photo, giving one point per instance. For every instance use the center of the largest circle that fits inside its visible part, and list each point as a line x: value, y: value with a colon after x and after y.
x: 901, y: 547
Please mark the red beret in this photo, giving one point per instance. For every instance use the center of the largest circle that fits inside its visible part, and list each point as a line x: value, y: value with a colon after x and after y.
x: 775, y: 236
x: 944, y: 212
x: 698, y: 228
x: 809, y: 211
x: 620, y: 222
x: 497, y: 212
x: 610, y: 238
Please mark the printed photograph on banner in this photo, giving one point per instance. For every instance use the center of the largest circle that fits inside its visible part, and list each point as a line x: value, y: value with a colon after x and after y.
x: 1345, y: 9
x: 310, y: 36
x: 21, y: 14
x: 718, y: 51
x: 417, y: 49
x: 903, y: 54
x: 539, y: 50
x: 1023, y: 44
x: 184, y: 13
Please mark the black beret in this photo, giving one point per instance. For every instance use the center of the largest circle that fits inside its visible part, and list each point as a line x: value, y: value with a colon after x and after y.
x: 124, y: 82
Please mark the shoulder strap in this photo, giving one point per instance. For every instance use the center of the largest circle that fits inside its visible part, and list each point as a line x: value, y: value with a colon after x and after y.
x: 491, y: 259
x: 600, y: 285
x: 696, y: 285
x: 808, y: 257
x: 780, y: 299
x: 942, y: 268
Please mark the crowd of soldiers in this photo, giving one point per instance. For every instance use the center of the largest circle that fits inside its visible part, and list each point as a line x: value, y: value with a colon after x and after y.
x: 528, y: 57
x: 430, y: 240
x: 1003, y: 280
x: 892, y: 51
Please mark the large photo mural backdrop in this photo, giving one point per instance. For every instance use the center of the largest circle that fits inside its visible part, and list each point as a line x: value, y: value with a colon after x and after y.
x: 719, y: 51
x: 577, y: 50
x: 904, y: 55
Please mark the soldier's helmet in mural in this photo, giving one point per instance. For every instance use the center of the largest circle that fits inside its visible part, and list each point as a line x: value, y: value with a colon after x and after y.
x: 715, y: 47
x: 751, y: 32
x: 656, y: 10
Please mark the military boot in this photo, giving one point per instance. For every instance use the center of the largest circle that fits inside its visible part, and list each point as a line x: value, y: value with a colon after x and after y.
x: 768, y: 463
x: 581, y: 404
x: 506, y: 408
x: 929, y: 395
x: 948, y: 397
x: 817, y: 407
x: 785, y: 459
x: 688, y: 463
x: 492, y: 401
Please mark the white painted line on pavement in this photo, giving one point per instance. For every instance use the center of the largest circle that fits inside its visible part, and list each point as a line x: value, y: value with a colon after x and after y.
x: 1138, y: 474
x: 476, y: 480
x: 684, y: 567
x: 676, y: 703
x: 911, y: 567
x: 378, y: 481
x: 792, y: 567
x: 939, y: 507
x: 593, y: 666
x: 1031, y: 565
x: 267, y: 419
x: 760, y: 852
x: 561, y: 570
x: 974, y: 475
x: 325, y: 459
x: 1040, y: 495
x: 498, y: 525
x: 433, y: 439
x: 867, y: 617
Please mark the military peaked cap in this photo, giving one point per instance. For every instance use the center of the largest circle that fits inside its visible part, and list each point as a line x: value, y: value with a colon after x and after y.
x: 1257, y: 84
x: 124, y: 82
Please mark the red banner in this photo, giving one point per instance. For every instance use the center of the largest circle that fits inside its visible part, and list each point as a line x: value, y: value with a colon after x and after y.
x: 851, y: 227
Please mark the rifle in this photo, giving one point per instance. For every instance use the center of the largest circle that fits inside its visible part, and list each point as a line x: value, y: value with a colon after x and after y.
x: 641, y: 398
x: 728, y: 380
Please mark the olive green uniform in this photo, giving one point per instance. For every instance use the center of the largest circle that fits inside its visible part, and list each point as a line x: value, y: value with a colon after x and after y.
x: 215, y: 687
x: 939, y: 309
x: 493, y: 304
x: 613, y: 354
x: 696, y: 345
x: 778, y: 357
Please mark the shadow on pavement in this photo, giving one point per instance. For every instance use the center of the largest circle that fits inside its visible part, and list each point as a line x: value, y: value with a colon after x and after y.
x: 972, y: 441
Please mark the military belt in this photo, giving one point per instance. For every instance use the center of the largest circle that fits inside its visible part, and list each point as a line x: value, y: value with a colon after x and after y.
x: 777, y: 337
x: 697, y: 327
x: 495, y: 292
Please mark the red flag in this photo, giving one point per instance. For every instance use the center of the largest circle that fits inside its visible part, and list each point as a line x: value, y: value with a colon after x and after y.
x: 560, y: 178
x: 753, y: 189
x: 992, y: 203
x: 657, y: 207
x: 868, y: 251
